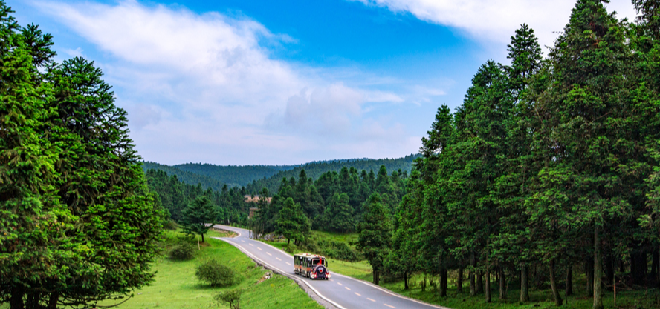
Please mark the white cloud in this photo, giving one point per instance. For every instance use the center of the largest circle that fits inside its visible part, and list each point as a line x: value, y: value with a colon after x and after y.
x: 73, y: 52
x: 204, y: 88
x: 496, y: 20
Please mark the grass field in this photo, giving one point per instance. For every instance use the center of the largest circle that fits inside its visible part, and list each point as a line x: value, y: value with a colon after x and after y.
x: 176, y: 286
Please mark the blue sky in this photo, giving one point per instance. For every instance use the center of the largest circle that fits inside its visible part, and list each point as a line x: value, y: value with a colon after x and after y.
x: 286, y: 82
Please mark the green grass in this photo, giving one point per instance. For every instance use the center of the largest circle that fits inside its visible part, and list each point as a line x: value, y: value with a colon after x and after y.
x: 176, y: 286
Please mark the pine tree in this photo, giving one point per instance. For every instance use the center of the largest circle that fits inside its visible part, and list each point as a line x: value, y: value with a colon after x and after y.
x: 199, y: 216
x: 375, y: 234
x: 292, y: 222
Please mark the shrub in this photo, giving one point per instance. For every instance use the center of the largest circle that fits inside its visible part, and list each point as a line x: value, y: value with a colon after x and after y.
x: 170, y: 225
x: 182, y: 251
x: 290, y: 248
x: 342, y: 251
x: 215, y: 274
x: 232, y: 297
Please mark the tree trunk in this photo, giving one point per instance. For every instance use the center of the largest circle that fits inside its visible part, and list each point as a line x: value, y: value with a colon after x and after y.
x: 443, y: 282
x: 375, y: 276
x: 473, y: 288
x: 459, y: 282
x: 502, y: 283
x: 589, y: 274
x: 524, y: 285
x: 569, y: 280
x: 52, y: 301
x: 553, y: 285
x: 638, y: 265
x: 480, y: 282
x: 16, y: 299
x: 656, y: 263
x: 202, y: 237
x: 405, y: 280
x: 487, y: 288
x: 598, y: 272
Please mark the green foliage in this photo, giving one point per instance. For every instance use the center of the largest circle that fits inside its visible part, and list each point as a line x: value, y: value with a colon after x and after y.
x: 78, y: 222
x: 182, y: 251
x: 375, y: 234
x: 232, y: 297
x: 338, y: 215
x: 292, y: 222
x: 198, y: 216
x: 215, y: 274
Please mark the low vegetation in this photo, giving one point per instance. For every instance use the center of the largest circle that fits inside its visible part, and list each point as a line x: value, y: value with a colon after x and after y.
x: 215, y: 274
x: 177, y: 287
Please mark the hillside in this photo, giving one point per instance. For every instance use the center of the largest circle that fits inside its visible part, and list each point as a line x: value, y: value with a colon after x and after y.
x: 255, y: 177
x: 185, y: 176
x: 315, y: 169
x: 234, y: 175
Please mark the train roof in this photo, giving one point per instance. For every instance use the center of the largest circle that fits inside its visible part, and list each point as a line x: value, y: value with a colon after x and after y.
x: 309, y: 255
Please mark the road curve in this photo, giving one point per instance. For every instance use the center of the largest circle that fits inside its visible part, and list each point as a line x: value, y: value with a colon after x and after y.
x: 341, y: 291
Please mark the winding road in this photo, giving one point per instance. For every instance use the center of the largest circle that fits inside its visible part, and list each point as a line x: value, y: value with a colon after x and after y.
x: 340, y: 291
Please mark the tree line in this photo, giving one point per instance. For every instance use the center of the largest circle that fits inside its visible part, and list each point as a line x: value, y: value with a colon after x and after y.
x: 548, y: 167
x: 334, y: 202
x: 77, y: 222
x: 226, y: 205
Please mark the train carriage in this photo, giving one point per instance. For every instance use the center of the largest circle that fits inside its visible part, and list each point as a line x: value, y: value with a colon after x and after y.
x: 311, y: 266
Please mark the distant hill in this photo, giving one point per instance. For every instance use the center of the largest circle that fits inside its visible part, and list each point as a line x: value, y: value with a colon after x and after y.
x: 234, y: 175
x: 255, y: 177
x: 315, y: 169
x: 185, y: 176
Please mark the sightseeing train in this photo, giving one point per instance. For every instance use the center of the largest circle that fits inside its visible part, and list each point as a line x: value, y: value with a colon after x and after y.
x: 311, y: 266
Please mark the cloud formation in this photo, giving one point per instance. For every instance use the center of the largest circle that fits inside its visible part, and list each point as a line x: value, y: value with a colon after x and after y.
x: 203, y: 88
x: 496, y: 20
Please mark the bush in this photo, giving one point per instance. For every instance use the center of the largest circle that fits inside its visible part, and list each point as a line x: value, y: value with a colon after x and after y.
x: 215, y: 274
x: 290, y: 248
x: 170, y: 225
x: 182, y: 251
x: 232, y: 297
x: 342, y: 251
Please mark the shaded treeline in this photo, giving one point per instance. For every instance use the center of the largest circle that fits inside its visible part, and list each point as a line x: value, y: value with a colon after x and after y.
x: 549, y: 167
x: 314, y: 170
x: 334, y: 202
x: 175, y: 196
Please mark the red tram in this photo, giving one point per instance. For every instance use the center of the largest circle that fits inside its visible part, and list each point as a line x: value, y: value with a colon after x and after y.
x: 311, y: 266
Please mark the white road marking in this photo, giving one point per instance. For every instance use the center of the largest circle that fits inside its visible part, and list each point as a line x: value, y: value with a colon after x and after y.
x: 389, y: 306
x: 269, y: 253
x: 287, y: 263
x: 358, y: 294
x: 338, y: 283
x: 258, y: 248
x: 347, y: 288
x: 373, y: 300
x: 251, y: 245
x: 279, y: 259
x: 243, y: 240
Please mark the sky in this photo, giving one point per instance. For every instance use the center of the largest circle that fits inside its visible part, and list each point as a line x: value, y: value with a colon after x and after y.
x: 244, y: 82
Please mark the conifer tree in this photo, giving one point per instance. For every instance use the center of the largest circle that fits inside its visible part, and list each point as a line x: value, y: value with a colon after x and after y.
x: 292, y: 222
x: 375, y: 235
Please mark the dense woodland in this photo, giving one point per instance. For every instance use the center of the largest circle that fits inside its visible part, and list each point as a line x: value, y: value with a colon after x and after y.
x: 77, y: 222
x: 256, y: 177
x: 185, y: 176
x: 549, y: 167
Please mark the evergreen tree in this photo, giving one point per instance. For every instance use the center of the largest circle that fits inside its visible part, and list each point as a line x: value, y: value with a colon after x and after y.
x: 375, y: 235
x: 338, y: 216
x: 198, y: 215
x: 292, y: 222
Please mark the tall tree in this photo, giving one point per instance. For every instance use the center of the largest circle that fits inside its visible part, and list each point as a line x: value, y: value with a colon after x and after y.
x: 292, y: 222
x: 375, y: 234
x: 198, y: 215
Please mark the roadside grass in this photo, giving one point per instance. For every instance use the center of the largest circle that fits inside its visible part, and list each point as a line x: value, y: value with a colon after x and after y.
x: 176, y: 286
x: 625, y: 299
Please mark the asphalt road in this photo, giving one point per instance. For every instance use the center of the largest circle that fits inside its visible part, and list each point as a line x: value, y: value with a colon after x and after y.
x: 341, y: 291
